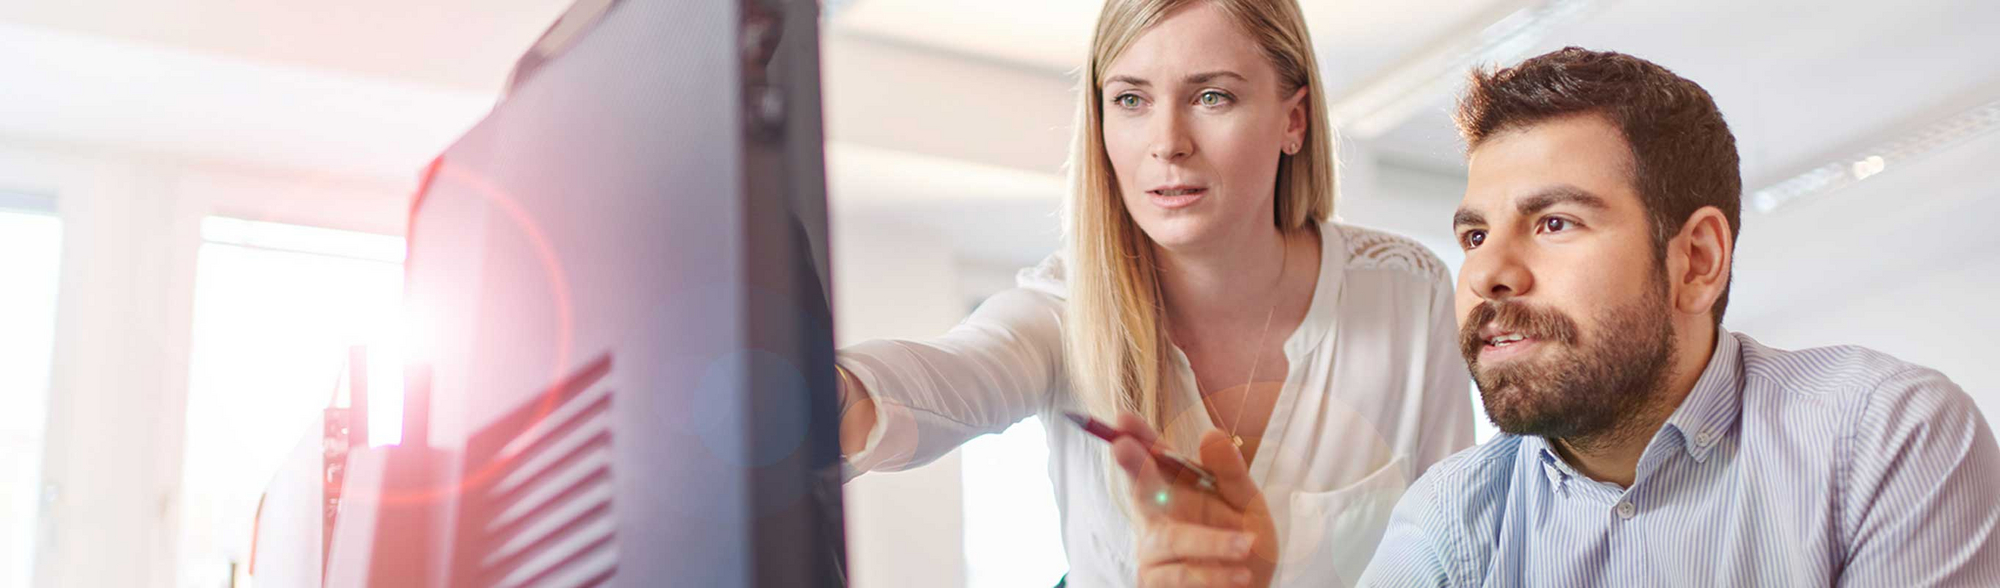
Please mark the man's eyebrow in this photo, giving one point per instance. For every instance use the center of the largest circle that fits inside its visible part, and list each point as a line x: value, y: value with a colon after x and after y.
x: 1546, y: 198
x: 1210, y: 76
x: 1467, y: 217
x: 1538, y: 202
x: 1129, y: 80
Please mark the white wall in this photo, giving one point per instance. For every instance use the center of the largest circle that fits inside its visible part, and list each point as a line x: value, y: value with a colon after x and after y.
x: 1944, y: 319
x: 1900, y: 262
x: 119, y: 376
x: 895, y: 97
x: 1396, y: 196
x: 897, y: 281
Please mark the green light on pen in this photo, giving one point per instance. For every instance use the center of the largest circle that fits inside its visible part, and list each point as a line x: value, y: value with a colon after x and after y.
x: 1160, y: 497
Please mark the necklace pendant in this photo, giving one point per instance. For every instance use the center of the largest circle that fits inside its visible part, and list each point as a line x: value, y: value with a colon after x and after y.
x: 1237, y: 439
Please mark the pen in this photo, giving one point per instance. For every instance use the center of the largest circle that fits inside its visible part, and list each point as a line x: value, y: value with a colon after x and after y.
x: 1171, y: 465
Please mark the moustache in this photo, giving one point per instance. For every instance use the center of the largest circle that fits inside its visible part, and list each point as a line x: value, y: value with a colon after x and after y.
x: 1547, y: 324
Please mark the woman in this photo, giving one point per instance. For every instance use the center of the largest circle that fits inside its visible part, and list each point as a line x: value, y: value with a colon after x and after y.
x: 1202, y: 288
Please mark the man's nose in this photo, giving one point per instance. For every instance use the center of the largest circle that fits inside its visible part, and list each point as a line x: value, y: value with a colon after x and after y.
x: 1496, y: 272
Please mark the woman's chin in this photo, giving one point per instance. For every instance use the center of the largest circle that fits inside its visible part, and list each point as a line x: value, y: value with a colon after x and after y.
x: 1179, y: 231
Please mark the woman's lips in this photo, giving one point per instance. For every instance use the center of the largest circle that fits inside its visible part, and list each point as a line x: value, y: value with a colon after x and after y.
x: 1176, y: 197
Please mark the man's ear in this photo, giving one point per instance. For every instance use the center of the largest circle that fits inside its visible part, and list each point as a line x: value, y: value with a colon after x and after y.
x: 1699, y: 261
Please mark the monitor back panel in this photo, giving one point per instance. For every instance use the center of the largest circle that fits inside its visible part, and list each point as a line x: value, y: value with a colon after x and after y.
x: 627, y: 257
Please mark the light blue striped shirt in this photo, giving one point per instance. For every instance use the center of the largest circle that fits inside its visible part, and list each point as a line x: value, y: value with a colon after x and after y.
x: 1827, y: 466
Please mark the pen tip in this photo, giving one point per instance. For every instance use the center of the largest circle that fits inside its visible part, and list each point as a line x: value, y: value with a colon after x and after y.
x: 1077, y: 418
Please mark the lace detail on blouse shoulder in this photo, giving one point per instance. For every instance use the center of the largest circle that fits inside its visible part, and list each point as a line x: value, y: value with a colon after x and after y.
x: 1372, y: 249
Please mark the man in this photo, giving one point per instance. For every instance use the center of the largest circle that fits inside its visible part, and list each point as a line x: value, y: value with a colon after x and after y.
x: 1643, y: 443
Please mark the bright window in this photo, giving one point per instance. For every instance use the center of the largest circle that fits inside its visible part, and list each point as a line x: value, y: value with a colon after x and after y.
x: 1011, y: 532
x: 30, y: 246
x: 276, y: 308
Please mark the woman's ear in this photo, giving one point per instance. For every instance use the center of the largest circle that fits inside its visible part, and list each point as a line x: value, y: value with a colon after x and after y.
x: 1298, y: 116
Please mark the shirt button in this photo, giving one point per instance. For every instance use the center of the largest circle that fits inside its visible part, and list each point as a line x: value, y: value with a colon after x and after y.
x: 1626, y: 510
x: 1704, y: 438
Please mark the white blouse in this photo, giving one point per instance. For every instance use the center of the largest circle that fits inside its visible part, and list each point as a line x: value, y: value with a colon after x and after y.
x: 1376, y: 393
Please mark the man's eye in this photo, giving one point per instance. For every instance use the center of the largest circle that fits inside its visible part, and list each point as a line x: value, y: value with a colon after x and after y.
x: 1213, y: 98
x: 1556, y: 224
x: 1471, y: 239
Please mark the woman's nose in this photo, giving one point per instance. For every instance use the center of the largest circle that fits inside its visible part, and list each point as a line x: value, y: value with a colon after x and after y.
x: 1171, y: 141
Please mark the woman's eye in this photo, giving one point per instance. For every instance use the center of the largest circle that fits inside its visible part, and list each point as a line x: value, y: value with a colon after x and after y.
x: 1213, y: 98
x: 1126, y: 101
x: 1556, y: 224
x: 1472, y: 239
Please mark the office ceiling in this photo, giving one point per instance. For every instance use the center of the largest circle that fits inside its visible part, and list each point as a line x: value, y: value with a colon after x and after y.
x: 373, y: 88
x: 1796, y: 77
x: 453, y: 44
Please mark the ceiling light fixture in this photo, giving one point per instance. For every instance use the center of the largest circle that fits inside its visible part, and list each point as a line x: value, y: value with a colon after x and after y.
x: 1926, y: 141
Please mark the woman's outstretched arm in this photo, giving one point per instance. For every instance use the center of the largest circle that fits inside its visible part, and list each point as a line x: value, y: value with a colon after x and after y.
x: 907, y: 402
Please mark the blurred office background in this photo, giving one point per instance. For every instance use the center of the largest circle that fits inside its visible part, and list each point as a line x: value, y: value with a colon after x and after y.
x: 202, y: 204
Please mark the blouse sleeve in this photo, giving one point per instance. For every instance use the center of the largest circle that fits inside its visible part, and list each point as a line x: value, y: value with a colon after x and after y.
x: 995, y: 368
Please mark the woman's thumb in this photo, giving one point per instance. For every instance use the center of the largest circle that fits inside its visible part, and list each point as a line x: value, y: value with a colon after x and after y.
x: 1232, y: 476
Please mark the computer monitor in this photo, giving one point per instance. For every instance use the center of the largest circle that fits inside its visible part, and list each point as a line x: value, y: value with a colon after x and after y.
x: 620, y: 340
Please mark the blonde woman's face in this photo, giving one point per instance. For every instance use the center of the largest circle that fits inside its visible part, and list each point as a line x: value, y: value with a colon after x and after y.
x: 1195, y: 121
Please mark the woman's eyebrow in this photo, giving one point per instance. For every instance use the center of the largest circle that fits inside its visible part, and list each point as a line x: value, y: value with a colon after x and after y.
x: 1191, y: 79
x: 1210, y: 76
x: 1128, y: 80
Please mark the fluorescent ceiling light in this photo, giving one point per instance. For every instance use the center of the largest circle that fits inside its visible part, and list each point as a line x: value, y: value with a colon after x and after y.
x: 1863, y: 164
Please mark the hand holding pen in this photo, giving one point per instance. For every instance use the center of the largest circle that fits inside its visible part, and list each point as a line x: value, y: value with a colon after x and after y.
x: 1192, y: 533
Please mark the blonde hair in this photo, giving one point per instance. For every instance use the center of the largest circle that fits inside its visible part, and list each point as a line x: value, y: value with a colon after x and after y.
x: 1115, y: 329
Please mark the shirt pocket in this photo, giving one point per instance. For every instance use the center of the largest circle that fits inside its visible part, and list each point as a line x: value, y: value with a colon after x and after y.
x: 1333, y: 533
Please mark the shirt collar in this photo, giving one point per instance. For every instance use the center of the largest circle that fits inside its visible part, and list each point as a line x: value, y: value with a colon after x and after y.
x: 1704, y: 418
x: 1322, y: 313
x: 1709, y: 412
x: 1553, y: 467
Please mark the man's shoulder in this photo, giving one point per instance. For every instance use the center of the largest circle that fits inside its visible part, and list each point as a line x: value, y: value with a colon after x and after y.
x: 1475, y: 480
x: 1838, y: 370
x: 1884, y: 401
x: 1446, y: 525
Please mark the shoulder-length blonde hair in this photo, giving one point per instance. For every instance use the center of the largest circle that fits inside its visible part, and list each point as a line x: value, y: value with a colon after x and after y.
x: 1115, y: 330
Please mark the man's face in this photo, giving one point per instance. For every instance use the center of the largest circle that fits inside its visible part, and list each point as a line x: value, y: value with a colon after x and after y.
x: 1562, y: 302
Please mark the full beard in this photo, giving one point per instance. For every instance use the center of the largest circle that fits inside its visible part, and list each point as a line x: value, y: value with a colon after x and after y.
x: 1584, y: 390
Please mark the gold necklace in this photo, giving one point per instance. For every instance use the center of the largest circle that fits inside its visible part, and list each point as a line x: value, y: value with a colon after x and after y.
x: 1284, y: 259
